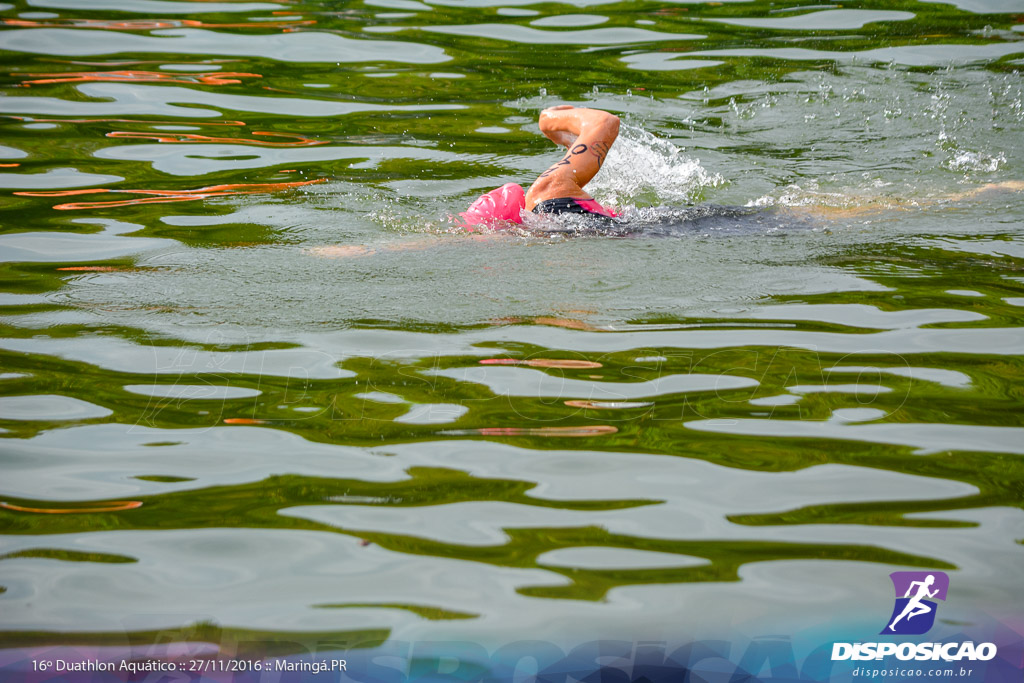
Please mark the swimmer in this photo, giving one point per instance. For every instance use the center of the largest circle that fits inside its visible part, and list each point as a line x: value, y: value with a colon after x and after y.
x: 587, y: 135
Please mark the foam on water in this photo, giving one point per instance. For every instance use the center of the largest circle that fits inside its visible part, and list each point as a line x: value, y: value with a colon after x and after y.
x: 643, y: 169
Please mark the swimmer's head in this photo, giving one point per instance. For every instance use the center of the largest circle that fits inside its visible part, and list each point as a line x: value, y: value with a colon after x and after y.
x: 501, y: 204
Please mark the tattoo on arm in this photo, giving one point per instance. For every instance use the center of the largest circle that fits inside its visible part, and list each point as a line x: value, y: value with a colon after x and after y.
x: 563, y: 162
x: 600, y: 150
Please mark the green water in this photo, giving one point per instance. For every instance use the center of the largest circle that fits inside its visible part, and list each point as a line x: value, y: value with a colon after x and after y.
x: 225, y: 423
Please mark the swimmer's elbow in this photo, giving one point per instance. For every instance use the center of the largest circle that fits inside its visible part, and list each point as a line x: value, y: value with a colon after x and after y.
x: 609, y: 126
x: 614, y: 125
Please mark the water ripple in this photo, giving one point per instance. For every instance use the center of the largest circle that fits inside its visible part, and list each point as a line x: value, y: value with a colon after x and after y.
x: 287, y: 47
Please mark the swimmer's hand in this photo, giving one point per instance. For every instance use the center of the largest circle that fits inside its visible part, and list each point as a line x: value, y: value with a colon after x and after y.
x: 563, y: 123
x: 561, y: 137
x: 550, y: 128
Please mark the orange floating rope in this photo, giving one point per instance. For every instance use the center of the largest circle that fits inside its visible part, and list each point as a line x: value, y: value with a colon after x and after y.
x: 297, y: 140
x: 206, y: 78
x: 136, y: 25
x: 243, y: 421
x: 145, y: 24
x: 564, y: 364
x: 75, y: 206
x: 113, y: 506
x: 166, y: 196
x: 608, y: 405
x: 64, y: 193
x: 200, y: 192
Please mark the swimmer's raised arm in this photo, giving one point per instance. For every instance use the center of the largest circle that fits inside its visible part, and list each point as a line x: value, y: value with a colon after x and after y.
x: 588, y: 135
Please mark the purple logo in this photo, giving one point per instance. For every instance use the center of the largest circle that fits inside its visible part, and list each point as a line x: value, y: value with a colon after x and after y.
x: 914, y: 612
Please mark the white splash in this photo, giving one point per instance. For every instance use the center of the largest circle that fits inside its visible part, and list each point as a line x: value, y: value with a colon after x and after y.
x: 964, y: 160
x: 808, y: 195
x: 643, y: 169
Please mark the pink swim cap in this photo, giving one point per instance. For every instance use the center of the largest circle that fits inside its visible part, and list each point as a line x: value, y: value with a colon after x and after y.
x: 501, y: 204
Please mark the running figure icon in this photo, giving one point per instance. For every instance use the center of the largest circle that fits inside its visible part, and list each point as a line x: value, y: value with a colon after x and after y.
x: 916, y: 593
x: 915, y: 607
